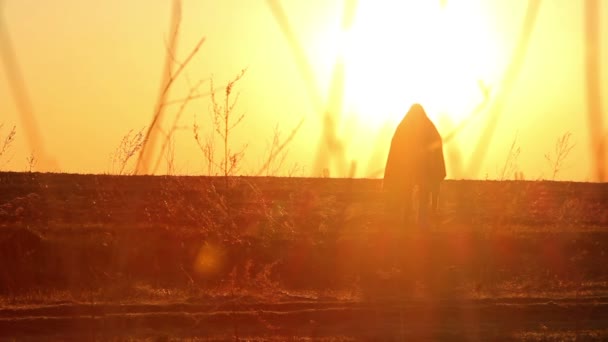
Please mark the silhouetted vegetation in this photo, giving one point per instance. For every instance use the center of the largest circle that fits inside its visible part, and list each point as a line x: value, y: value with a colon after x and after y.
x: 6, y: 143
x: 107, y: 239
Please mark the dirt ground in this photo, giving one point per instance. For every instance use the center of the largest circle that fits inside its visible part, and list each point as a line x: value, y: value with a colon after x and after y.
x: 96, y: 257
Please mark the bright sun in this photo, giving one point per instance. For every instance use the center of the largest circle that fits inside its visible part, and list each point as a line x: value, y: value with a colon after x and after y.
x: 400, y: 52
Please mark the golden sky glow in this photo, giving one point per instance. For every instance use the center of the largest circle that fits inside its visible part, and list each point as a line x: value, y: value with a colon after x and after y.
x: 93, y: 68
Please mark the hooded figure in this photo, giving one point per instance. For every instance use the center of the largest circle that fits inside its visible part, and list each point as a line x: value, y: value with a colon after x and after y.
x: 415, y: 158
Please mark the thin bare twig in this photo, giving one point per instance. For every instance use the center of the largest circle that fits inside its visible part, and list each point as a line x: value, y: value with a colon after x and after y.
x: 223, y: 122
x: 277, y: 147
x: 170, y: 156
x: 562, y: 149
x: 304, y: 66
x: 510, y: 76
x: 169, y: 135
x: 189, y: 98
x: 150, y: 138
x: 130, y: 144
x: 479, y: 108
x: 510, y: 166
x: 330, y: 147
x: 23, y: 103
x: 147, y: 150
x: 207, y: 147
x: 8, y: 141
x: 31, y: 161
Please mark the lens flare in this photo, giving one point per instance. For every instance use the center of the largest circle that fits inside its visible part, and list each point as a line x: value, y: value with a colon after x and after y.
x: 209, y: 260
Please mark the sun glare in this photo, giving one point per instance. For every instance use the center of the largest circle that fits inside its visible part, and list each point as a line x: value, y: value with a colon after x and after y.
x: 402, y: 52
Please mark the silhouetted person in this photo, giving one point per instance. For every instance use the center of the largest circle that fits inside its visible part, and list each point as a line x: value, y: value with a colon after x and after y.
x: 415, y: 159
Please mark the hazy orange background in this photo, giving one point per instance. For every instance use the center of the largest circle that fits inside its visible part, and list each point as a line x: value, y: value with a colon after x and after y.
x: 93, y: 70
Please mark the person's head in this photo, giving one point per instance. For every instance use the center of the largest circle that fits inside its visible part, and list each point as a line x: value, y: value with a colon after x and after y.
x: 416, y: 112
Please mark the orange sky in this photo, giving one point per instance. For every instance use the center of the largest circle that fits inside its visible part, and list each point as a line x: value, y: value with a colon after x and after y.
x: 93, y: 69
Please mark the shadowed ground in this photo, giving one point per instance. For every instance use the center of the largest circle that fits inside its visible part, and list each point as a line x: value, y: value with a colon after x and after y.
x: 112, y: 257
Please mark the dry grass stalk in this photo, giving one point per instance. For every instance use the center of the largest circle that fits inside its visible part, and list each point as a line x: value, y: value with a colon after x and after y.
x: 331, y: 149
x: 486, y: 92
x: 299, y: 54
x: 8, y: 142
x: 170, y: 156
x: 223, y: 123
x: 31, y: 161
x: 148, y: 148
x: 278, y: 152
x: 193, y: 92
x: 17, y: 84
x: 510, y: 167
x: 563, y: 146
x: 508, y: 81
x: 130, y: 144
x: 207, y: 146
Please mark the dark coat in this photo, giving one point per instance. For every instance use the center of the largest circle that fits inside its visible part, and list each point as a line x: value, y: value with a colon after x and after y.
x: 416, y: 153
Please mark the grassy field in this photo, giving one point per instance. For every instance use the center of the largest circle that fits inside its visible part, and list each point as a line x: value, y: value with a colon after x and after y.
x: 200, y: 258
